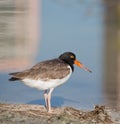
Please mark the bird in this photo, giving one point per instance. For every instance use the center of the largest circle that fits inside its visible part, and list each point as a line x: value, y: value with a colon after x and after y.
x: 47, y: 75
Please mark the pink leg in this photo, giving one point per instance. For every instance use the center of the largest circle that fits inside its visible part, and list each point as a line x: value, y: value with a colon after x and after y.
x: 49, y: 99
x: 46, y: 99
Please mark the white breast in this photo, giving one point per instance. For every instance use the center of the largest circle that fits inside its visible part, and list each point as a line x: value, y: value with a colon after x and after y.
x: 43, y: 85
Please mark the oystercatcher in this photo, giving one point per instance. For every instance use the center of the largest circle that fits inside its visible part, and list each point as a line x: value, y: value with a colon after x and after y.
x: 49, y: 74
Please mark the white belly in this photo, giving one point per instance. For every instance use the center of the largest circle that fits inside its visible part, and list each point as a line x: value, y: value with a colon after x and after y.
x: 43, y: 85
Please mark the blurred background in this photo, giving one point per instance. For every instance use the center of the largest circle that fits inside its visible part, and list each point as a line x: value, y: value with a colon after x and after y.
x: 33, y: 31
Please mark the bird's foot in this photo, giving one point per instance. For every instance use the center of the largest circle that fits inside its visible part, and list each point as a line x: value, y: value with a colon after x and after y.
x: 50, y: 111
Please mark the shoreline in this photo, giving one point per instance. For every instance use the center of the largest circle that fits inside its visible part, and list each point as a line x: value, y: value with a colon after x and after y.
x: 26, y: 113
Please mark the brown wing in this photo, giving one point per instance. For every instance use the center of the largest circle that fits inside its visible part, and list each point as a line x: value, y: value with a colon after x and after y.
x: 51, y: 69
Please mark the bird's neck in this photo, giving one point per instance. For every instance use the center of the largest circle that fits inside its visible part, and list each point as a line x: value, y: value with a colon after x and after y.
x: 72, y: 67
x: 69, y: 63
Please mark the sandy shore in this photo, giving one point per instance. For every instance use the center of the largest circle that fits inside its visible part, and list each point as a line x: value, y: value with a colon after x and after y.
x: 36, y: 114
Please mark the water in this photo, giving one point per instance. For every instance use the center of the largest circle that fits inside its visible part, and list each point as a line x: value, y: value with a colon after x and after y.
x: 67, y: 26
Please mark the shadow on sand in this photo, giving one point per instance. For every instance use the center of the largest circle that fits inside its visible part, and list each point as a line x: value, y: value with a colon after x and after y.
x: 56, y: 101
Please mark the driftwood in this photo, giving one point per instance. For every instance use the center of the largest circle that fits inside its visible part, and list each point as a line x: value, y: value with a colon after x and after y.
x: 36, y: 114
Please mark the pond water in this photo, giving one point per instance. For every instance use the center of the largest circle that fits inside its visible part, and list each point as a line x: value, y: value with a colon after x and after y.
x: 63, y: 26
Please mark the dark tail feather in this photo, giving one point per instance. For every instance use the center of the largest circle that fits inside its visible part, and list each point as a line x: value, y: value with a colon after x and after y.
x: 13, y: 79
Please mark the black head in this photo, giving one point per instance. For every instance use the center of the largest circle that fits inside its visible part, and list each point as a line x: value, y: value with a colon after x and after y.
x: 69, y: 58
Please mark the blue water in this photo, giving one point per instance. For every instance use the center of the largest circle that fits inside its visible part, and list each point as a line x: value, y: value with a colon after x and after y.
x: 67, y: 26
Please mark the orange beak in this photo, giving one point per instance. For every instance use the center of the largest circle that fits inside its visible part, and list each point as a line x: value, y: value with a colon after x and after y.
x: 76, y: 62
